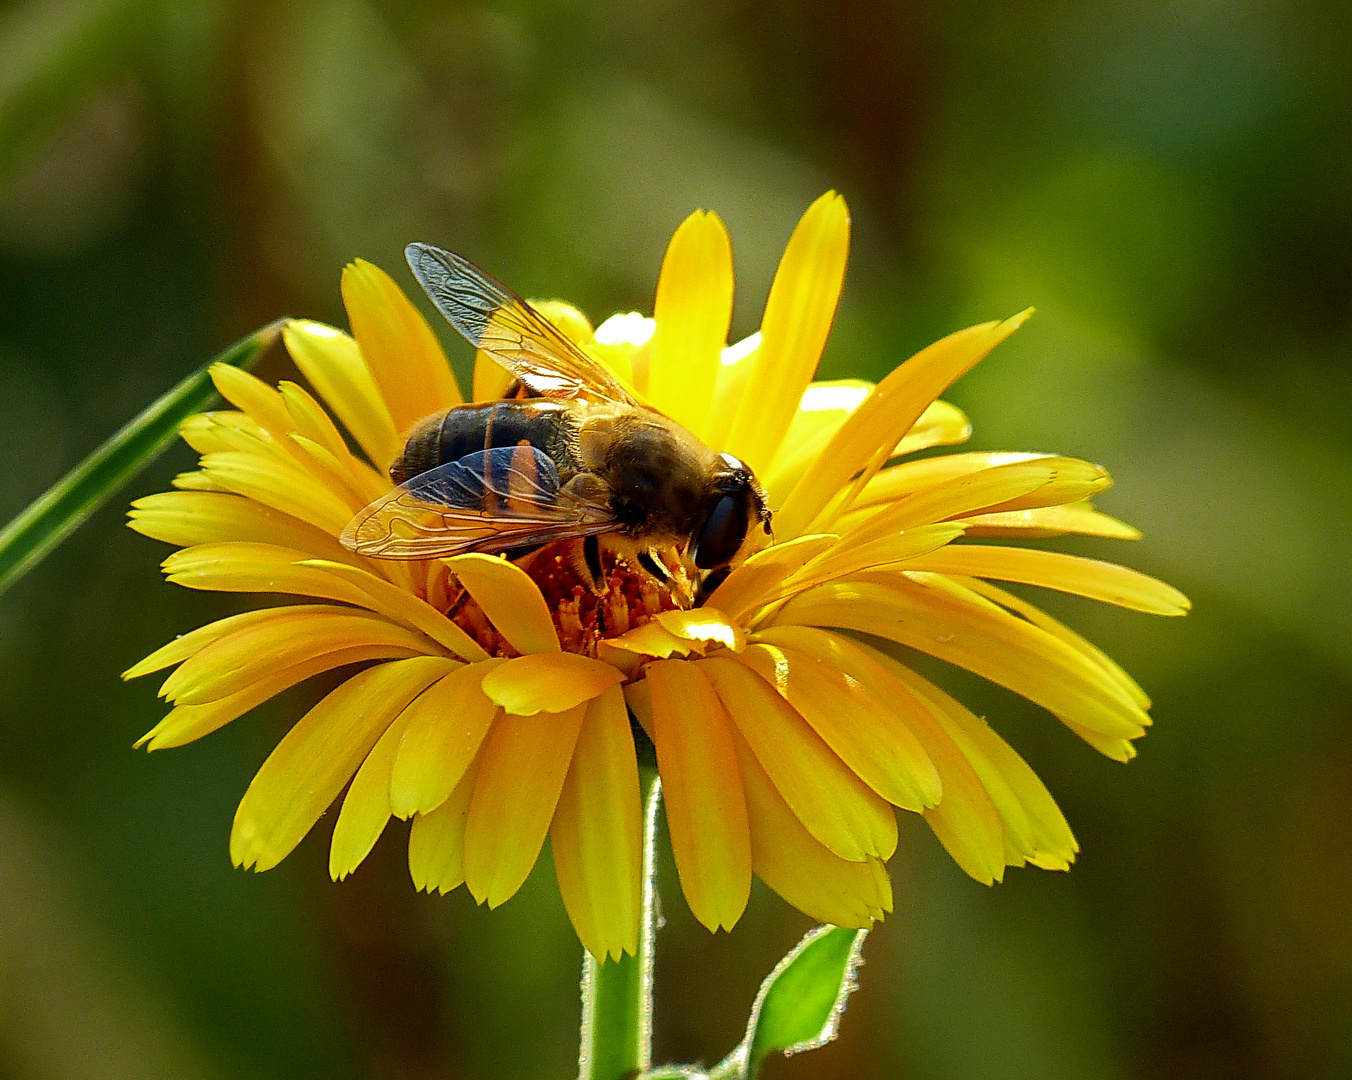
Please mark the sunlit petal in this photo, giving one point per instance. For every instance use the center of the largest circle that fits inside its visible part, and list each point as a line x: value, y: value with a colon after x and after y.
x: 366, y: 806
x: 938, y: 617
x: 510, y: 599
x: 521, y: 772
x: 965, y: 820
x: 333, y: 364
x: 837, y: 808
x: 867, y: 735
x: 866, y: 439
x: 692, y: 312
x: 1097, y: 580
x: 1034, y: 828
x: 446, y: 726
x: 185, y: 723
x: 548, y: 682
x: 402, y: 353
x: 309, y: 767
x: 233, y: 662
x: 597, y: 832
x: 436, y: 842
x: 798, y: 316
x: 702, y: 791
x: 787, y: 858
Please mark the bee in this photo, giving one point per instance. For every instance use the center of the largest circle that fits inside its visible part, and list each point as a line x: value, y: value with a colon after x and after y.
x: 575, y: 456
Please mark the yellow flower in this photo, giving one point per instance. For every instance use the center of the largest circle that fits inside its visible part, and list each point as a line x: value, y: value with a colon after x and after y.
x: 492, y: 705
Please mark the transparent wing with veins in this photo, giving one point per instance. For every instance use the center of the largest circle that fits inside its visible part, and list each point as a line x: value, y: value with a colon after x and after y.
x: 490, y: 501
x: 496, y: 320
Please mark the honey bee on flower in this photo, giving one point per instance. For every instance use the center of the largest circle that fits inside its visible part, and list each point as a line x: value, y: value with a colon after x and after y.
x: 503, y: 608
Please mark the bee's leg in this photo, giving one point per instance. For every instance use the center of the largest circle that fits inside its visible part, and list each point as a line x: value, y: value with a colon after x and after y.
x: 585, y: 558
x: 591, y: 555
x: 675, y: 581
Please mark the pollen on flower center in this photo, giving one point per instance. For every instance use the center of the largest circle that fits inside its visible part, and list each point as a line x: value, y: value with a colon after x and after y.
x: 581, y: 616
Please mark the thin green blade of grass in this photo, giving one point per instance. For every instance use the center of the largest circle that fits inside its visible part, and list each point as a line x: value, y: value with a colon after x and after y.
x: 63, y: 507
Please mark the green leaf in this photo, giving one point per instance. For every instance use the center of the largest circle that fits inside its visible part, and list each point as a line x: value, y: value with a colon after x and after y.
x: 60, y: 510
x: 800, y: 1004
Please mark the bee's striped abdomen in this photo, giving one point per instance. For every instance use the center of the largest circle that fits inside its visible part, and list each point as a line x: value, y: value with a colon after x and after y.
x: 466, y: 429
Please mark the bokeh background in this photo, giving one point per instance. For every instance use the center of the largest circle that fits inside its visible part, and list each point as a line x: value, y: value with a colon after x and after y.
x: 1169, y: 181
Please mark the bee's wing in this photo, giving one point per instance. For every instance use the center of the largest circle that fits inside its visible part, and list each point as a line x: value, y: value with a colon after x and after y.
x: 490, y: 501
x: 496, y: 320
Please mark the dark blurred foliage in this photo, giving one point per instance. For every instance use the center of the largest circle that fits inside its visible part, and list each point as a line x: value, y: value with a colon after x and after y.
x: 1171, y: 184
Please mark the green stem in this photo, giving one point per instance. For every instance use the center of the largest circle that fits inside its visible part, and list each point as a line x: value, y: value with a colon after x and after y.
x: 55, y: 514
x: 617, y: 997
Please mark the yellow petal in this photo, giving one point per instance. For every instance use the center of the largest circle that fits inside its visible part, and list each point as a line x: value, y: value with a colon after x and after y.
x: 366, y: 806
x: 233, y: 662
x: 280, y: 485
x: 191, y: 643
x: 548, y: 682
x: 652, y: 639
x: 491, y: 379
x: 209, y: 432
x: 252, y: 395
x: 312, y: 424
x: 966, y: 820
x: 866, y: 439
x: 822, y: 409
x: 521, y: 773
x: 704, y: 624
x: 187, y: 518
x: 955, y: 498
x: 638, y: 697
x: 735, y: 368
x: 309, y: 767
x: 404, y: 607
x: 308, y: 418
x: 702, y: 789
x: 436, y: 842
x: 692, y: 312
x: 1097, y: 580
x: 333, y: 364
x: 597, y: 834
x: 243, y: 567
x: 620, y: 346
x: 197, y: 481
x: 402, y: 352
x: 837, y: 808
x: 897, y: 481
x: 1109, y: 746
x: 568, y: 320
x: 1080, y: 518
x: 847, y: 558
x: 1034, y: 828
x: 186, y: 723
x: 760, y: 576
x: 862, y: 729
x: 798, y: 316
x: 939, y: 617
x: 446, y: 727
x: 1039, y: 618
x: 802, y: 871
x: 941, y: 424
x: 510, y: 599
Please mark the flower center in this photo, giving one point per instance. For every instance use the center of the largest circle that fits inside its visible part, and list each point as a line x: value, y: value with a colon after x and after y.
x: 581, y: 616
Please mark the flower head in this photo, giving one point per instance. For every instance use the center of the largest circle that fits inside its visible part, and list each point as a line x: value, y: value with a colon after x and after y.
x: 490, y: 699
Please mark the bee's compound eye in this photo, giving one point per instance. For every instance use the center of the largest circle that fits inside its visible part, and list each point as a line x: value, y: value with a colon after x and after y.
x: 722, y: 532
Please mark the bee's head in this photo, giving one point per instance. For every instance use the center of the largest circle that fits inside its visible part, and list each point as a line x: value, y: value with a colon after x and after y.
x: 734, y: 504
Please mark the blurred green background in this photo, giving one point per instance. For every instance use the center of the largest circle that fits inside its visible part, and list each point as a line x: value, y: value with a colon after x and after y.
x: 1169, y: 182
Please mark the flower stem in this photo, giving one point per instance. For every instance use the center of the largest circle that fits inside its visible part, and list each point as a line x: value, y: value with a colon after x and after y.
x: 617, y: 997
